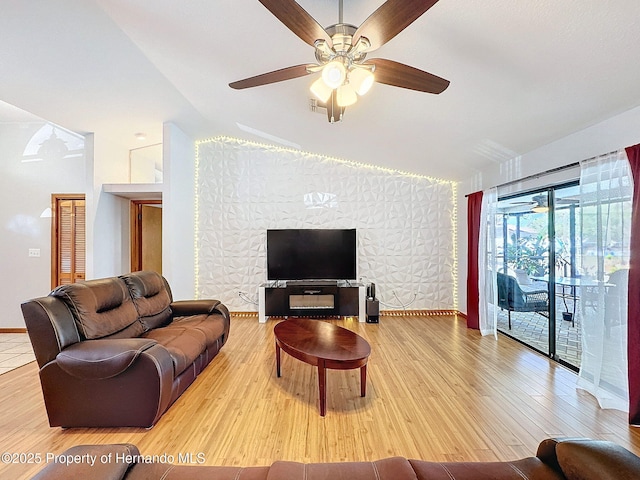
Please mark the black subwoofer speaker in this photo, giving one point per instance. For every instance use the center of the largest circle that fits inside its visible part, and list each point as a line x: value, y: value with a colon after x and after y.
x: 373, y: 311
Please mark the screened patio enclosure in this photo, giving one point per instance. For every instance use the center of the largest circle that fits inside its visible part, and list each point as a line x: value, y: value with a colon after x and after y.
x: 546, y: 246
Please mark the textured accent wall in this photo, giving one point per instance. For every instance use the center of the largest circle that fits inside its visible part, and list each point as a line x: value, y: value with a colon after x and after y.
x: 405, y: 223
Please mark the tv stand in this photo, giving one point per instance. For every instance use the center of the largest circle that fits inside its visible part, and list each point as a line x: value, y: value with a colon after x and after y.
x: 311, y: 298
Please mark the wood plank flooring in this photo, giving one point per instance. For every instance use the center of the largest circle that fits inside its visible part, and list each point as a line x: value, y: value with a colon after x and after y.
x: 435, y: 390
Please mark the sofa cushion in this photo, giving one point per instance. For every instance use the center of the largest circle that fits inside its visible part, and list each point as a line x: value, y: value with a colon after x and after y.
x: 183, y: 344
x: 211, y: 326
x: 100, y: 307
x: 150, y: 297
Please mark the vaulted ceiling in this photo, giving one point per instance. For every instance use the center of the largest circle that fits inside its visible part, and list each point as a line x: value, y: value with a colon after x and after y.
x: 523, y: 74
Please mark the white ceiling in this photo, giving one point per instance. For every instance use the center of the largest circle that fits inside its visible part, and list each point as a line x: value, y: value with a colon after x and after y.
x: 523, y: 73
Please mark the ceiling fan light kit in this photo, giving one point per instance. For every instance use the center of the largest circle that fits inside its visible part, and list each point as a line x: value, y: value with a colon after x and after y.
x: 346, y: 95
x: 361, y: 79
x: 341, y: 51
x: 320, y: 90
x: 334, y: 74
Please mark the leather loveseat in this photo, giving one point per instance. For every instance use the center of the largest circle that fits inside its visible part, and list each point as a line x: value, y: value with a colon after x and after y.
x: 119, y: 351
x: 556, y: 459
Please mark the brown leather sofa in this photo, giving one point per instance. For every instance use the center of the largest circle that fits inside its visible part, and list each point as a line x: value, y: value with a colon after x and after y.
x: 118, y: 351
x: 556, y: 459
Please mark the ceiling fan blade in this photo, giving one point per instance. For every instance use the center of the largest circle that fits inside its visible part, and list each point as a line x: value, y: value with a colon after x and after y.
x: 297, y: 20
x: 390, y: 19
x: 404, y: 76
x: 273, y: 77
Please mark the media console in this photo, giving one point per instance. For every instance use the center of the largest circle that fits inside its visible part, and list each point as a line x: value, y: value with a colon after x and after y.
x: 311, y: 299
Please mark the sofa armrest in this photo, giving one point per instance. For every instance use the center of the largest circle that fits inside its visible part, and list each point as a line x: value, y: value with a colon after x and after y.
x: 586, y: 459
x: 182, y: 308
x: 137, y: 397
x: 51, y: 327
x: 100, y: 359
x: 547, y: 452
x: 94, y: 461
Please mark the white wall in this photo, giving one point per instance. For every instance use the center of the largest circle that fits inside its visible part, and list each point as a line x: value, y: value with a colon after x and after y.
x: 178, y: 224
x: 107, y: 215
x: 613, y: 134
x: 405, y: 223
x: 26, y: 191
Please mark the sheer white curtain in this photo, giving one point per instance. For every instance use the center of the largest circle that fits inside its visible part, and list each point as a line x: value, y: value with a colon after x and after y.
x: 487, y: 264
x: 606, y: 188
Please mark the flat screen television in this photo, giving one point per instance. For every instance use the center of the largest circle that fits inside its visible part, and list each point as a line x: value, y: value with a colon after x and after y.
x: 311, y: 254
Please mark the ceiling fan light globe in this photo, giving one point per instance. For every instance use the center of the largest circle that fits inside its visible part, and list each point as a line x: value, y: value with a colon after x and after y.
x: 346, y: 95
x: 334, y: 74
x: 320, y: 90
x: 361, y: 80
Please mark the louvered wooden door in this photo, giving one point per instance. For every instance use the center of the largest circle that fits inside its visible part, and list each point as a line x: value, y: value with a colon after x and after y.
x: 68, y: 262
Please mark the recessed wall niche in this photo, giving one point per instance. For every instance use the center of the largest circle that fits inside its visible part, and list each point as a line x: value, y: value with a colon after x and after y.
x: 405, y: 223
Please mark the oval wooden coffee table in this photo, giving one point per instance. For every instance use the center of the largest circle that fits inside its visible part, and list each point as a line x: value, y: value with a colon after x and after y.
x: 323, y: 344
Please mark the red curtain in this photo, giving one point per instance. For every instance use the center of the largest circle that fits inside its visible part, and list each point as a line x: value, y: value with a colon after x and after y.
x: 474, y: 205
x: 633, y: 342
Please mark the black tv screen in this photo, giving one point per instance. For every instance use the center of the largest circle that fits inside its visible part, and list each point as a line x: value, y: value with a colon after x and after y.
x: 311, y: 254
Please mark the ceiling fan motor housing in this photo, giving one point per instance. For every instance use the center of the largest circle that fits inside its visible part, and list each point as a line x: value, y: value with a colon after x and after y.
x: 341, y: 36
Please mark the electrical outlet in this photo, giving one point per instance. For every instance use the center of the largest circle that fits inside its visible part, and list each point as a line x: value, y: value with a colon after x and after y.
x: 34, y: 252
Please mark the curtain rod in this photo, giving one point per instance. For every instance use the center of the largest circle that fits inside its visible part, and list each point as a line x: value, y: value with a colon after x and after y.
x: 541, y: 174
x: 536, y: 175
x: 553, y: 170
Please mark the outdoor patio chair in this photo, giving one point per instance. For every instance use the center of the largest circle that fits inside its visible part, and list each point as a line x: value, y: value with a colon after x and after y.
x: 615, y: 299
x: 512, y: 298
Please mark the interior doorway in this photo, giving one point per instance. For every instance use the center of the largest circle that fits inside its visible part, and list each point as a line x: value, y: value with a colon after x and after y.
x: 146, y: 235
x: 68, y: 232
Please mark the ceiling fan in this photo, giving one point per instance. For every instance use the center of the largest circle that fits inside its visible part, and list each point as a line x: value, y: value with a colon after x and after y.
x: 538, y: 204
x: 341, y: 51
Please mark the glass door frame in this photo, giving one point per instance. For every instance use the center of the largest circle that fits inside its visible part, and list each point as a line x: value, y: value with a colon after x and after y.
x: 549, y: 192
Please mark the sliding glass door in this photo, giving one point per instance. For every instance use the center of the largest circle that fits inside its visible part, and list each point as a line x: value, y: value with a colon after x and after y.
x: 523, y: 269
x: 567, y: 283
x: 562, y: 265
x: 538, y: 286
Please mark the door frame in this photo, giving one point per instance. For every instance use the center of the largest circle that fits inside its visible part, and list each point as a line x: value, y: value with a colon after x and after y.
x: 135, y: 217
x: 550, y: 192
x: 55, y: 199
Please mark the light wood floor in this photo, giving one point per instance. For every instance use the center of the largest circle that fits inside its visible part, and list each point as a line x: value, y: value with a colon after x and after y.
x: 435, y: 391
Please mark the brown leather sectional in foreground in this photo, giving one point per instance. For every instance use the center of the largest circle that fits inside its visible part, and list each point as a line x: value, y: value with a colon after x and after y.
x: 556, y: 459
x: 117, y: 352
